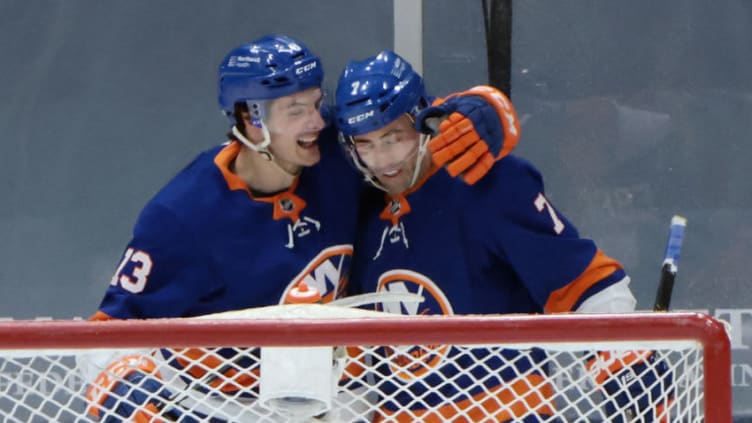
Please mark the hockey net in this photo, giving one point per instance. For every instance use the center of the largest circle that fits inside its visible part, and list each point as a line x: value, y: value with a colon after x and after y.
x: 315, y: 363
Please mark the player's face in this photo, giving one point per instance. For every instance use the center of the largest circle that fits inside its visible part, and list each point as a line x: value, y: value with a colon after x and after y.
x: 294, y: 125
x: 390, y: 153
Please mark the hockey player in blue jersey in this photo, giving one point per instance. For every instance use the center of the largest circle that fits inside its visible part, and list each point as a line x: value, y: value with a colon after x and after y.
x: 247, y: 220
x: 498, y: 247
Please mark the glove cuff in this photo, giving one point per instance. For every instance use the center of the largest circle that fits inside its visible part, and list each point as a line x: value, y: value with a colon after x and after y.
x: 507, y: 114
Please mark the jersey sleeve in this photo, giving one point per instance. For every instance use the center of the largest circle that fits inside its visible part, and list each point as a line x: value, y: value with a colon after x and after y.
x: 559, y: 268
x: 162, y: 272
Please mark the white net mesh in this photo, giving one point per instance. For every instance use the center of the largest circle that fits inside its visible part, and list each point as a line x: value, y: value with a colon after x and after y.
x: 462, y: 382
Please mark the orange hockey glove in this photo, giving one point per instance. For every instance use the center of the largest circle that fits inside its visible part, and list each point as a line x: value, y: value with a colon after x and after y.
x: 480, y: 126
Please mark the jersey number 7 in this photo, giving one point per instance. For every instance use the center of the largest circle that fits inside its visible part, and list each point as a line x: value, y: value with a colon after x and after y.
x: 542, y: 203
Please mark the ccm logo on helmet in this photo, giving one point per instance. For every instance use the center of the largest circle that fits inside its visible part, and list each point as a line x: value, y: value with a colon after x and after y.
x: 361, y: 117
x: 305, y: 68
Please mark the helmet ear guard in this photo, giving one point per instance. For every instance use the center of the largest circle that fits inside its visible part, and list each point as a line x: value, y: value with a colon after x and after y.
x: 258, y: 111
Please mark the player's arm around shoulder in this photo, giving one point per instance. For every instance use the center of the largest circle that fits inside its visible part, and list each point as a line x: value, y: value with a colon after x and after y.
x: 507, y: 187
x: 479, y: 127
x: 497, y: 208
x: 520, y: 223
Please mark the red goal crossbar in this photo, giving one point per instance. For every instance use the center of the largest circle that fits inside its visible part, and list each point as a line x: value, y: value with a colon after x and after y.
x: 513, y: 329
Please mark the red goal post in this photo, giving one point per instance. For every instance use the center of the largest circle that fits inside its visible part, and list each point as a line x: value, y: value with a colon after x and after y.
x: 41, y: 348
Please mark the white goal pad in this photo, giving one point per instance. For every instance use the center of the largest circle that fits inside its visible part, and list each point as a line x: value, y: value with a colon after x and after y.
x: 331, y: 364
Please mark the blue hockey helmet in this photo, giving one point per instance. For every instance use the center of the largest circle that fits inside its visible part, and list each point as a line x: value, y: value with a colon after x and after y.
x: 373, y: 92
x: 271, y: 67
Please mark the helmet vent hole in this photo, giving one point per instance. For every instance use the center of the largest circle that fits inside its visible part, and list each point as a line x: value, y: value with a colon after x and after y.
x: 358, y: 101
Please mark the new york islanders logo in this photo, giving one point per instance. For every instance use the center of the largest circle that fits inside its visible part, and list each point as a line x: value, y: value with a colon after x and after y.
x: 327, y: 272
x: 411, y: 362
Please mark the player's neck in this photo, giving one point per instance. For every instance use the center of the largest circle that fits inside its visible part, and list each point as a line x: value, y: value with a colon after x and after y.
x: 260, y: 174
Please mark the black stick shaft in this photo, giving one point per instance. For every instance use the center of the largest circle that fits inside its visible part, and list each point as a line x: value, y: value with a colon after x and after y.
x: 670, y: 264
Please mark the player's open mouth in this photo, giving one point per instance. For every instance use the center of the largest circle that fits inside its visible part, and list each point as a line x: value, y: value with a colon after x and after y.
x: 391, y: 173
x: 308, y: 143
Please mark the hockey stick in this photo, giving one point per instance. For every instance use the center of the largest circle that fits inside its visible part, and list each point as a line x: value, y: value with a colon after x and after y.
x: 497, y: 20
x: 631, y: 408
x: 670, y: 263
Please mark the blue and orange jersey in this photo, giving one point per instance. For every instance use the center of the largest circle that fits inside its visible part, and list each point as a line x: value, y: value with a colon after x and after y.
x: 205, y: 243
x: 497, y: 247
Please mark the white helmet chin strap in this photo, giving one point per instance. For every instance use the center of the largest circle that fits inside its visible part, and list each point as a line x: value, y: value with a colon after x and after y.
x: 422, y: 147
x: 360, y: 165
x: 262, y: 147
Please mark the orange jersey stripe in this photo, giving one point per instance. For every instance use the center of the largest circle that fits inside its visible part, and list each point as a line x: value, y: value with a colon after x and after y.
x: 531, y: 394
x: 198, y: 362
x: 564, y: 298
x: 148, y: 415
x: 662, y: 412
x: 607, y: 364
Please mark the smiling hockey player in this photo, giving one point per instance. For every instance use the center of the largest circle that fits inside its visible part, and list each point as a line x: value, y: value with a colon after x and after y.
x: 498, y: 247
x: 243, y: 224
